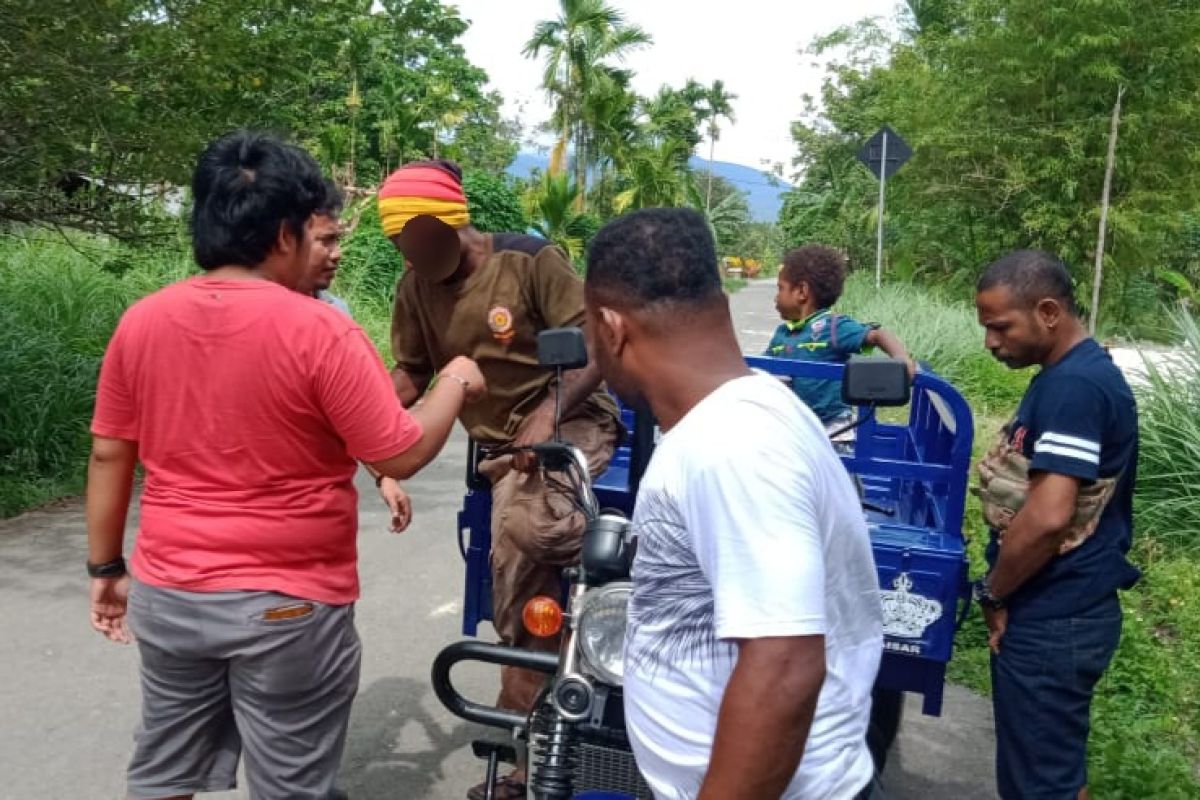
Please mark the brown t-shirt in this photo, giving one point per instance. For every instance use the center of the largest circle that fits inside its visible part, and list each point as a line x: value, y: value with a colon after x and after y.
x: 494, y: 316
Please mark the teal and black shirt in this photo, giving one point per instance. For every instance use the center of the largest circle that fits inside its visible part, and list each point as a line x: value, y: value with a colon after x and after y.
x: 827, y: 337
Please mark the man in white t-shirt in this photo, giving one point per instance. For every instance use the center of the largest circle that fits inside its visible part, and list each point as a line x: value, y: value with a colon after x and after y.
x: 755, y: 627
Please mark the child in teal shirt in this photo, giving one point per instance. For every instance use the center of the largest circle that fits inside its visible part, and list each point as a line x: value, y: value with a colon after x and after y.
x: 810, y: 282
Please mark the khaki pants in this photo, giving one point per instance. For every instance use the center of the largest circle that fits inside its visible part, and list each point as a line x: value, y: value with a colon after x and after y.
x: 536, y: 532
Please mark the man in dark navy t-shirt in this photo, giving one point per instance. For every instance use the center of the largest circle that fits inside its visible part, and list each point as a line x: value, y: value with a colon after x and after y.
x: 1057, y: 493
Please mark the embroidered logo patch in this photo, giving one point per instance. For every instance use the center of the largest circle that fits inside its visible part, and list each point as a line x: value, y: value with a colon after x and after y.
x: 500, y: 320
x: 819, y: 325
x: 1018, y: 439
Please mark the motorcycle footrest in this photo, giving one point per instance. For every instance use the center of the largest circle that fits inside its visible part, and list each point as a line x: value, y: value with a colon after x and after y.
x: 505, y: 753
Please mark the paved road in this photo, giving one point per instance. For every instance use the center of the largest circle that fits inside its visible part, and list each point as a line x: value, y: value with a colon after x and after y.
x: 69, y: 700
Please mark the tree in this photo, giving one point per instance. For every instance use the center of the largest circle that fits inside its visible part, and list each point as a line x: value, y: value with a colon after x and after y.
x: 98, y: 100
x: 579, y: 45
x: 421, y: 97
x: 718, y: 104
x: 728, y: 213
x: 675, y: 115
x: 657, y: 176
x: 1007, y: 104
x: 552, y: 203
x: 103, y: 103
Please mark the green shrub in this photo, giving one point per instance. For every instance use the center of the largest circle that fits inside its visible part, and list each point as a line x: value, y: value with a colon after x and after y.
x: 1146, y: 715
x: 494, y: 203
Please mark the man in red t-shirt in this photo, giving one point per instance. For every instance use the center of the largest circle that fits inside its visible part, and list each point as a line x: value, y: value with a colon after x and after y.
x: 246, y: 403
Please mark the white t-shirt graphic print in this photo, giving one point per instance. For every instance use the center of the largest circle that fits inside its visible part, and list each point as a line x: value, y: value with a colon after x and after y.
x: 748, y: 526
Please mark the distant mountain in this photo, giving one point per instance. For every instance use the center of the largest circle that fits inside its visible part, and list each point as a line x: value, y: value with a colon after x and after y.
x: 764, y: 197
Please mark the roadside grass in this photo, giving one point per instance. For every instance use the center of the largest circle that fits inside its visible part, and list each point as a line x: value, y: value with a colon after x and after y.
x: 57, y: 311
x: 61, y: 299
x: 946, y: 335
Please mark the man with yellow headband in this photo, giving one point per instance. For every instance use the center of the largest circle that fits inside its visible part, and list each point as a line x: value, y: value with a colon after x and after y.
x: 487, y: 296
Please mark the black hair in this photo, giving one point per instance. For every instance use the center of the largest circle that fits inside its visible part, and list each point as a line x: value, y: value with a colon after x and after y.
x: 245, y: 186
x: 822, y: 268
x: 653, y: 256
x: 444, y: 164
x: 1031, y: 276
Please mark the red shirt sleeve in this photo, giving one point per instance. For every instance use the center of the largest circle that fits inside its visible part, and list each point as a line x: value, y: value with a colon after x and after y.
x: 116, y: 412
x: 357, y: 395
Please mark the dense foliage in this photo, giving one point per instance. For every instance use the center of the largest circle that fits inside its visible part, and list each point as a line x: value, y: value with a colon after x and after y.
x: 1007, y: 105
x: 99, y: 101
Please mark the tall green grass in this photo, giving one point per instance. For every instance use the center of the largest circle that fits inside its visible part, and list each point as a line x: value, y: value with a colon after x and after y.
x: 944, y: 334
x: 58, y: 308
x: 1147, y: 710
x: 367, y: 277
x: 60, y: 301
x: 1168, y: 497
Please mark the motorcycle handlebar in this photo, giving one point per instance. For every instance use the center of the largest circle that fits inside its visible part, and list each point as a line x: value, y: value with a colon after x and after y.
x: 487, y: 653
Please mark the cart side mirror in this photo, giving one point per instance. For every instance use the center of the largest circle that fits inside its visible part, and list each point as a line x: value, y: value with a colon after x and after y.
x: 873, y: 381
x: 562, y: 348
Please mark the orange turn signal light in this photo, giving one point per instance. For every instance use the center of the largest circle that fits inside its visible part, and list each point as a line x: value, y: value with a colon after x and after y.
x: 543, y: 617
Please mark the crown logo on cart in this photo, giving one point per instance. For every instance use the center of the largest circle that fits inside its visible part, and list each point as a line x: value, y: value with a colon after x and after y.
x: 907, y: 615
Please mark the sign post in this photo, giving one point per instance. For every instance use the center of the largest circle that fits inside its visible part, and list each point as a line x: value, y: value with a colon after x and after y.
x: 884, y: 154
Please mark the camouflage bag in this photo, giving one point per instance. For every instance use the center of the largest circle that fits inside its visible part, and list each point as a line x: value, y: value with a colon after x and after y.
x: 1004, y: 485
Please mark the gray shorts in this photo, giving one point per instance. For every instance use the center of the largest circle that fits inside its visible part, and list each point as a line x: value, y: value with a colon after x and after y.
x: 227, y: 672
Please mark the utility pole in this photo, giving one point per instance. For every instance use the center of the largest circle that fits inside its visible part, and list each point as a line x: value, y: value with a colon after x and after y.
x: 879, y: 226
x: 353, y: 105
x: 1108, y: 174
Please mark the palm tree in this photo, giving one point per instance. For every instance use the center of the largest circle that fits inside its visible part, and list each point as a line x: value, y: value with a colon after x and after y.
x: 578, y: 45
x: 675, y: 114
x: 658, y: 176
x: 550, y: 205
x: 718, y: 104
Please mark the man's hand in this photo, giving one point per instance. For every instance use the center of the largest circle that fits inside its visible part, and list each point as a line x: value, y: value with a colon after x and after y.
x: 398, y: 502
x: 538, y: 427
x: 997, y: 624
x: 468, y: 370
x: 110, y: 597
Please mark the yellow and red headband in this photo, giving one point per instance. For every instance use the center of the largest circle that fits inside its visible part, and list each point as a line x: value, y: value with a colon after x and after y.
x: 421, y: 189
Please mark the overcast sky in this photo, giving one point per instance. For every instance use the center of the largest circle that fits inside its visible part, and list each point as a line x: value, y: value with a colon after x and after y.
x: 753, y: 45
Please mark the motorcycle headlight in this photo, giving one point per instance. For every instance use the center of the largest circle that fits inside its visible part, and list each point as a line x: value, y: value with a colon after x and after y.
x: 601, y: 631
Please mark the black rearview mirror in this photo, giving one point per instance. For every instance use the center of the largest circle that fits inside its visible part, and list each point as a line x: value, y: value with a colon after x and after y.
x: 872, y: 381
x: 562, y: 348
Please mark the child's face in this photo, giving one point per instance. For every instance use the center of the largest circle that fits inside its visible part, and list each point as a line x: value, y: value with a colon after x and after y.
x: 790, y: 299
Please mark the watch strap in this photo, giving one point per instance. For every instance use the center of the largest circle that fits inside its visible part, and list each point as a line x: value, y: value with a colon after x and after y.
x: 109, y: 569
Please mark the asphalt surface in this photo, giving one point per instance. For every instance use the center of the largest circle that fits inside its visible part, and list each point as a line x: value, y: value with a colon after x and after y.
x: 69, y: 699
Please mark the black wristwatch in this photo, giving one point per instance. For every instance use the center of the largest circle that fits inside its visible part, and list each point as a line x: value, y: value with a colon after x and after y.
x: 981, y: 590
x: 109, y: 569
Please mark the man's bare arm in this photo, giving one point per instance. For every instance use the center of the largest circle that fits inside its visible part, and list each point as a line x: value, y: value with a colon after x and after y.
x: 578, y: 385
x: 765, y: 718
x: 109, y: 487
x: 538, y: 426
x: 1036, y: 532
x: 461, y: 383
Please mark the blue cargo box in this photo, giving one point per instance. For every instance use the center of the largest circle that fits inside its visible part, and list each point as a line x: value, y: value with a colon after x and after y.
x: 913, y: 478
